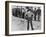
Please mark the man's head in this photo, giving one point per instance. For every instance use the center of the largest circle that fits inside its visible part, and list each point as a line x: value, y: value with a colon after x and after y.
x: 35, y: 8
x: 31, y: 7
x: 27, y: 7
x: 38, y: 7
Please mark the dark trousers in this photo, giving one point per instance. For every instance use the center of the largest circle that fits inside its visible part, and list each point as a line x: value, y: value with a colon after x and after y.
x: 38, y: 18
x: 28, y: 25
x: 31, y: 25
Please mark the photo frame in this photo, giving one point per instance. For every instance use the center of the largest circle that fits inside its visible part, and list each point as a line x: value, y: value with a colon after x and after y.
x: 24, y: 18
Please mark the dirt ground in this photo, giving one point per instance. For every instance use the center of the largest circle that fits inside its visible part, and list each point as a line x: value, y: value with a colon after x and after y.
x: 19, y: 24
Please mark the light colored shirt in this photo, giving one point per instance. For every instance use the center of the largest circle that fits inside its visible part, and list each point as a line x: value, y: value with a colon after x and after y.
x: 29, y: 13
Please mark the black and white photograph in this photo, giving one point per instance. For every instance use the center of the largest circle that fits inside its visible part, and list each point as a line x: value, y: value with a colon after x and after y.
x: 25, y: 18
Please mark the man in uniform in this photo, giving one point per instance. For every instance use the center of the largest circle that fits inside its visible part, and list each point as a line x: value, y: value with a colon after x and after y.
x: 29, y: 14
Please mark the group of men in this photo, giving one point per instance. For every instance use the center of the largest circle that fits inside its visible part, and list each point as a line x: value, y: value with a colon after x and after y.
x: 30, y: 16
x: 27, y: 15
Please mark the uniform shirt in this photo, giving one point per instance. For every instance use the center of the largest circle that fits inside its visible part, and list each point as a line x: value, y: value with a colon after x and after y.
x: 29, y: 13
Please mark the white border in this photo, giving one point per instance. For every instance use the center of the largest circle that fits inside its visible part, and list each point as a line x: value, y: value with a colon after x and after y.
x: 21, y: 4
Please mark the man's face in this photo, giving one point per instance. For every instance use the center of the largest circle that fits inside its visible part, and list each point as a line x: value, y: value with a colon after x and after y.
x: 38, y: 7
x: 35, y: 8
x: 31, y: 8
